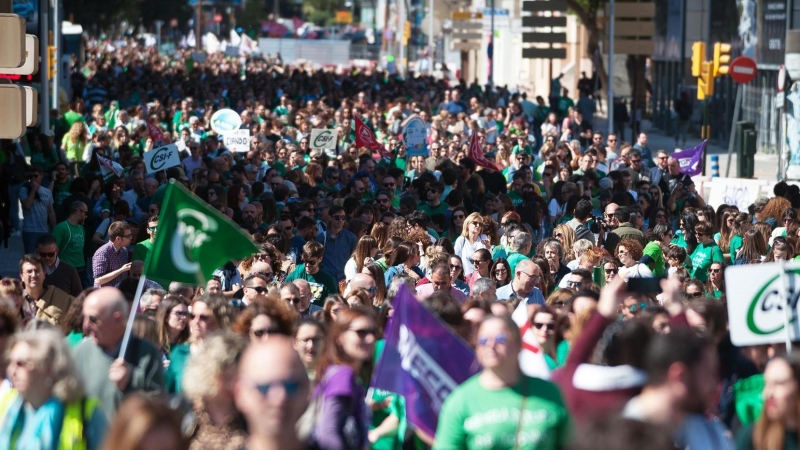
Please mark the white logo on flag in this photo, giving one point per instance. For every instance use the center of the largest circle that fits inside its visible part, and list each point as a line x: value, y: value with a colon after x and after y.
x: 188, y: 236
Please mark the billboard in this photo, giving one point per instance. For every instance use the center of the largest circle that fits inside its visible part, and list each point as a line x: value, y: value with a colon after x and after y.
x: 28, y: 9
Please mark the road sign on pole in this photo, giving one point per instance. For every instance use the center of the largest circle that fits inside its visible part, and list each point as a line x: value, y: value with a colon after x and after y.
x: 546, y: 16
x: 743, y: 70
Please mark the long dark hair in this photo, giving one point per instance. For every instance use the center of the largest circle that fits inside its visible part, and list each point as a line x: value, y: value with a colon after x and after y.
x: 689, y: 221
x: 769, y: 434
x: 753, y: 247
x: 335, y: 354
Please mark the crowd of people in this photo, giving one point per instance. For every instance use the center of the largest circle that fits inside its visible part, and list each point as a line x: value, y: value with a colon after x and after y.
x: 277, y: 350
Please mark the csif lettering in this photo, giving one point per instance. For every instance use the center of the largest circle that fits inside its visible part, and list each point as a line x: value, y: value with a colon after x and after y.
x: 765, y: 314
x: 160, y: 158
x: 323, y: 138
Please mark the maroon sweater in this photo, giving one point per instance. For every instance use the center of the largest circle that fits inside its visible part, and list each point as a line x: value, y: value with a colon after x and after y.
x: 608, y: 396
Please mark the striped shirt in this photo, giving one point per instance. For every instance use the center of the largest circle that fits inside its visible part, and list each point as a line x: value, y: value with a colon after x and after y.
x: 108, y: 259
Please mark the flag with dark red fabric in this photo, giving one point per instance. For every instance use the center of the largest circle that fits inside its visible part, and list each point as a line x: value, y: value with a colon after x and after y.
x: 366, y: 138
x: 476, y: 153
x: 159, y: 140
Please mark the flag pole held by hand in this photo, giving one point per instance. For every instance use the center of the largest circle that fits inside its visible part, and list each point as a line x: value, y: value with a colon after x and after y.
x: 131, y: 318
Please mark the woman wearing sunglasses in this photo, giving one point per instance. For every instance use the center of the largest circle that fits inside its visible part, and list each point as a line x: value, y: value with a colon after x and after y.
x: 501, y: 272
x: 481, y: 262
x: 706, y: 253
x: 172, y: 317
x: 338, y: 403
x: 208, y: 314
x: 543, y: 323
x: 501, y: 386
x: 716, y: 281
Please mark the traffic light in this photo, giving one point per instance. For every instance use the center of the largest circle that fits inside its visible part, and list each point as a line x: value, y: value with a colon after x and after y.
x: 722, y: 57
x: 52, y: 62
x: 705, y: 82
x: 406, y: 32
x: 698, y: 56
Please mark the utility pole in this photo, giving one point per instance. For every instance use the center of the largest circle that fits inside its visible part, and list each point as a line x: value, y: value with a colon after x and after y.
x: 44, y: 33
x: 401, y: 17
x: 199, y: 20
x: 491, y: 42
x: 682, y: 65
x: 610, y: 108
x: 57, y: 44
x: 431, y: 45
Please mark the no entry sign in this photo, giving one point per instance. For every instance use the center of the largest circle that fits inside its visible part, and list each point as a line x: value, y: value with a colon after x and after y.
x: 743, y: 70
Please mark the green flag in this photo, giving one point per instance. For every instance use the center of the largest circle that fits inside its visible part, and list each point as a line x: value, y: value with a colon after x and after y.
x: 193, y: 239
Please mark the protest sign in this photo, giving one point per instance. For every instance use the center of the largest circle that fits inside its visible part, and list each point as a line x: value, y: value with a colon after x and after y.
x: 162, y: 158
x: 225, y: 121
x: 423, y: 360
x: 737, y: 192
x: 237, y: 140
x: 323, y: 138
x: 755, y: 294
x: 415, y: 135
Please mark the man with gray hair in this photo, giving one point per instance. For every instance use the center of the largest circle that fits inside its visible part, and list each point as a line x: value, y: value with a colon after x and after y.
x: 398, y: 281
x: 484, y: 289
x: 520, y: 248
x: 106, y: 375
x: 151, y: 298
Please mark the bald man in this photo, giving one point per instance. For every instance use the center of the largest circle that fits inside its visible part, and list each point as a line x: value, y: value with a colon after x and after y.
x: 523, y: 286
x: 271, y: 391
x: 105, y: 376
x: 304, y: 307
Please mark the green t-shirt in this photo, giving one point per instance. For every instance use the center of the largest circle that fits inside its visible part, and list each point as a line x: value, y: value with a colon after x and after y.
x: 653, y: 250
x: 70, y: 240
x: 141, y: 250
x: 322, y: 284
x: 703, y: 256
x: 516, y: 198
x: 679, y: 239
x: 431, y: 210
x: 494, y: 421
x: 392, y: 441
x: 736, y: 245
x: 514, y: 258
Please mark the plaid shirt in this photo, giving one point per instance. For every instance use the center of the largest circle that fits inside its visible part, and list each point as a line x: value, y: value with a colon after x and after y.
x: 108, y: 259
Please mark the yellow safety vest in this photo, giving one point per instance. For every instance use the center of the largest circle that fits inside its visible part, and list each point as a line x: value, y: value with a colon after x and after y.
x: 76, y: 414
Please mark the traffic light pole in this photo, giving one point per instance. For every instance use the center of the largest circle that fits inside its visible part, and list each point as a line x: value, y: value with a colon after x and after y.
x: 610, y: 71
x: 44, y: 110
x: 57, y: 44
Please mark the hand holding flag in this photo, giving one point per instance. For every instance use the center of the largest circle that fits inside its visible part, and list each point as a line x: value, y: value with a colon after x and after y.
x: 691, y: 160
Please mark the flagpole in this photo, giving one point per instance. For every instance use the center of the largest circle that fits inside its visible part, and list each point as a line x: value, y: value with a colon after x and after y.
x: 131, y: 317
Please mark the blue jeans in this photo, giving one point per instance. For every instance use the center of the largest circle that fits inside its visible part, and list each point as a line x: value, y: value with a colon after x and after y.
x: 29, y: 240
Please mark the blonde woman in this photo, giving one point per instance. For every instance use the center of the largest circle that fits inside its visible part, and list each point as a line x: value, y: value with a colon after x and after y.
x: 73, y: 145
x: 216, y: 422
x: 47, y: 391
x: 472, y: 238
x: 566, y: 235
x: 366, y: 249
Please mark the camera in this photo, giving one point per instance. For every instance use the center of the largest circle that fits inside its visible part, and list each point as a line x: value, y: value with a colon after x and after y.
x: 597, y: 221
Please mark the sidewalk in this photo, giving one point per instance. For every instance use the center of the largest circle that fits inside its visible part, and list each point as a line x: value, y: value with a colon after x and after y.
x: 766, y: 166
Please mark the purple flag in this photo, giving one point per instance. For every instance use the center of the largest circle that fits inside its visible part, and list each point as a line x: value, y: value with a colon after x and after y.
x: 423, y: 360
x: 691, y: 160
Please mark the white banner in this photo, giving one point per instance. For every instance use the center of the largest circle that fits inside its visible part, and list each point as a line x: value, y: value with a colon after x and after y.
x: 755, y: 294
x: 323, y: 138
x: 739, y: 192
x: 162, y: 158
x: 237, y: 140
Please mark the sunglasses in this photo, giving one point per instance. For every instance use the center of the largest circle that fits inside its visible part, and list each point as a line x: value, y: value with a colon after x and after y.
x: 714, y: 270
x: 268, y: 331
x: 291, y: 387
x: 340, y: 218
x: 458, y: 216
x: 454, y: 266
x: 364, y: 332
x: 200, y: 317
x: 180, y: 314
x: 312, y: 263
x: 383, y: 200
x: 476, y: 261
x: 500, y: 339
x: 539, y: 325
x: 633, y: 309
x: 388, y: 184
x: 574, y: 284
x: 694, y: 295
x: 610, y: 271
x: 152, y: 228
x: 259, y: 289
x: 47, y: 255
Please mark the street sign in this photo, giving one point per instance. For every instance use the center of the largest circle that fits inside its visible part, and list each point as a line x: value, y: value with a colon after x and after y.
x: 743, y: 70
x: 467, y: 15
x: 344, y: 17
x: 546, y: 16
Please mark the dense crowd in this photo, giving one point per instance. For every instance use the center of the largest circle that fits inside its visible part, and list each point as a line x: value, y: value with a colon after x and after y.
x: 277, y: 350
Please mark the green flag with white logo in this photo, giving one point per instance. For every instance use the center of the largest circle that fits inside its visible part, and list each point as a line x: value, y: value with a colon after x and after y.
x: 193, y: 239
